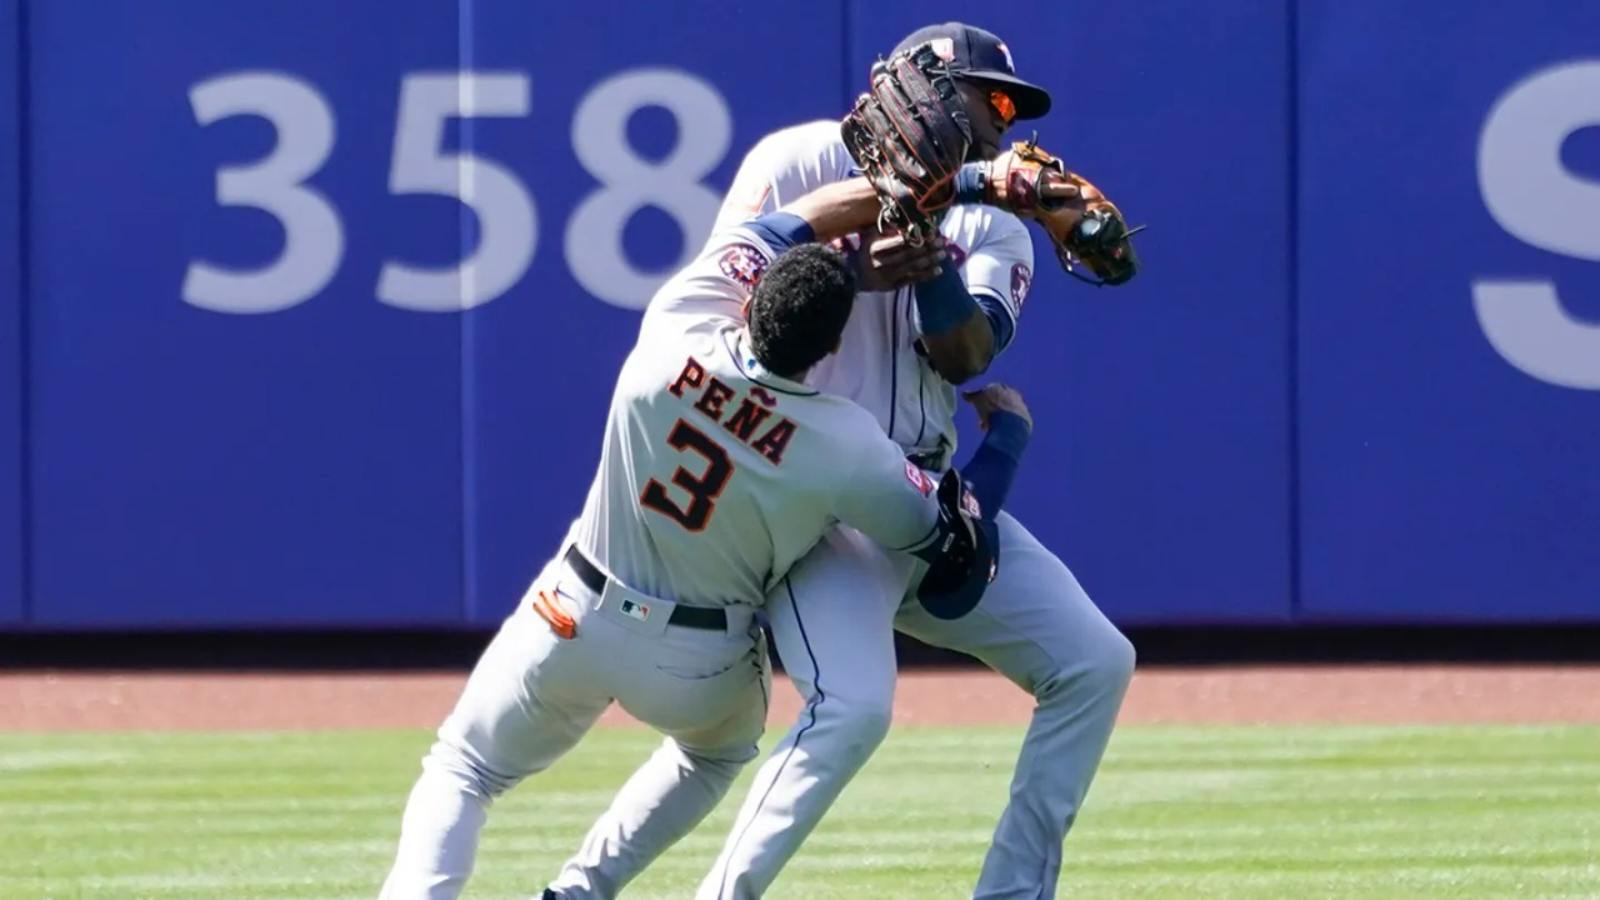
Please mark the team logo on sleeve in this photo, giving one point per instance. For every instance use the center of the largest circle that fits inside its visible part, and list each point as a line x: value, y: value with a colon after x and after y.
x: 1021, y: 280
x: 970, y: 504
x: 919, y: 479
x: 744, y: 264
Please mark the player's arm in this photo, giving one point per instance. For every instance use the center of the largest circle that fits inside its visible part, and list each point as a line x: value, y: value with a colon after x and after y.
x: 993, y: 282
x: 829, y: 212
x: 718, y: 283
x: 783, y: 166
x: 1007, y: 425
x: 969, y: 314
x: 885, y: 497
x: 959, y: 335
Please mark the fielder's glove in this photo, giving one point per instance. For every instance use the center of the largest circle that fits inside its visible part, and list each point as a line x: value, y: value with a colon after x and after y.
x: 1086, y: 229
x: 965, y: 560
x: 909, y: 135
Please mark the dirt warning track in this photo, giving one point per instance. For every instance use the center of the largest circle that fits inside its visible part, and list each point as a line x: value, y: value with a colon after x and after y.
x: 49, y: 701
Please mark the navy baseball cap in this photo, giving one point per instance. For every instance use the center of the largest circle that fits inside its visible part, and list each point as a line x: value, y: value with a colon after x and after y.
x: 978, y: 55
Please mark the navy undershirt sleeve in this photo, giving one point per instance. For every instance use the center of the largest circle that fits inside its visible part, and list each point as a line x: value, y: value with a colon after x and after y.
x: 943, y: 303
x: 781, y: 230
x: 1000, y: 321
x: 990, y: 471
x: 970, y: 182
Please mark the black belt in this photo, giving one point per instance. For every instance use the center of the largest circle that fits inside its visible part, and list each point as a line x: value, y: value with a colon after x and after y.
x: 931, y: 461
x: 706, y: 618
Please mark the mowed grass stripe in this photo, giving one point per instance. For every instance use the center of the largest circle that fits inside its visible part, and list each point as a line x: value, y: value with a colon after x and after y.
x: 1235, y: 812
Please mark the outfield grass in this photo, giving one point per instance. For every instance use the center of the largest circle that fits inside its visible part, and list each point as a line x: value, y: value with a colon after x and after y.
x: 1235, y: 812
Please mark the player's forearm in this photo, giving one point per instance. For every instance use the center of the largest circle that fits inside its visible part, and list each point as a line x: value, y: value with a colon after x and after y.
x: 956, y: 331
x: 992, y: 469
x: 963, y: 353
x: 838, y: 209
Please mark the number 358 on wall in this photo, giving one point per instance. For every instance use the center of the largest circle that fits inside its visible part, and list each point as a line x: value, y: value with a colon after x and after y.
x: 508, y: 221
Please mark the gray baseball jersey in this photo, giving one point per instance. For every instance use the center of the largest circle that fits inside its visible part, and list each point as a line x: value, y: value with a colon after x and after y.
x: 716, y: 475
x: 879, y: 364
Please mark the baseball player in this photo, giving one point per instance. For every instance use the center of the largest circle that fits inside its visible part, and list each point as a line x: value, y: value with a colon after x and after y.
x: 930, y: 318
x: 719, y: 469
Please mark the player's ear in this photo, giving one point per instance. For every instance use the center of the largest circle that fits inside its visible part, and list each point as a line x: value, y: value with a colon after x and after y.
x: 744, y: 308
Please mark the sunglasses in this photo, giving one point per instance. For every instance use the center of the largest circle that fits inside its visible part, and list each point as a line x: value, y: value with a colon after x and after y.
x: 1004, y: 107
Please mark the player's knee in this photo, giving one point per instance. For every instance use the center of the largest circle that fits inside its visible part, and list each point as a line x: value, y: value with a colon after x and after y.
x: 1101, y: 672
x: 859, y: 723
x: 1113, y: 662
x: 719, y: 768
x: 460, y: 764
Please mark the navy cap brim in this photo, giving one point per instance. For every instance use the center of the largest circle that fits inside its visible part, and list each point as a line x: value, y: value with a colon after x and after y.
x: 1033, y: 102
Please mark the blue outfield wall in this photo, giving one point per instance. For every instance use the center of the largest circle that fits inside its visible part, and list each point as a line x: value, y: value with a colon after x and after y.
x: 1449, y: 311
x: 263, y: 389
x: 11, y: 321
x: 193, y: 466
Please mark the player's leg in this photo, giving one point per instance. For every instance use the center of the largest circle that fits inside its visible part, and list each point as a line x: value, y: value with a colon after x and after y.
x: 832, y: 622
x: 713, y: 708
x: 500, y: 732
x: 1037, y: 627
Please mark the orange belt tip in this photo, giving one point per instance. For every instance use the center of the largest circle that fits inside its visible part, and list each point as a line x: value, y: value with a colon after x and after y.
x: 548, y: 606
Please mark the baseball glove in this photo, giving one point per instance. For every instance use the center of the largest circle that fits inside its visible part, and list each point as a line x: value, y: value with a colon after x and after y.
x: 909, y: 134
x: 1087, y: 230
x: 966, y: 561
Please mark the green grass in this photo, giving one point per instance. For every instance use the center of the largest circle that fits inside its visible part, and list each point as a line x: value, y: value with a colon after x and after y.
x: 1236, y: 812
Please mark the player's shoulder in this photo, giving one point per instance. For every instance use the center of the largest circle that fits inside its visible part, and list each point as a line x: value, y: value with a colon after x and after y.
x: 817, y: 133
x: 819, y: 139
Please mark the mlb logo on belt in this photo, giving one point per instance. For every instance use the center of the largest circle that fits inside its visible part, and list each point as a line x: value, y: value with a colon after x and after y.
x: 636, y: 610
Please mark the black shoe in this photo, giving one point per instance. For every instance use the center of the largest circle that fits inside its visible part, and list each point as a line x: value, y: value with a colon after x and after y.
x: 550, y: 895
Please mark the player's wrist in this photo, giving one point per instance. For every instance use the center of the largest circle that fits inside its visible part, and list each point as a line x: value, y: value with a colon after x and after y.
x: 972, y: 183
x: 1008, y: 433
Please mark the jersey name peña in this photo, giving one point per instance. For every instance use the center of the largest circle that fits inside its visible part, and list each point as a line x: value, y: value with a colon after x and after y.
x: 711, y: 397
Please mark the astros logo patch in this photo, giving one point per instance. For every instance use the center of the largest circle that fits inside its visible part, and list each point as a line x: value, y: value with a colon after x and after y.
x: 744, y: 264
x: 1021, y: 280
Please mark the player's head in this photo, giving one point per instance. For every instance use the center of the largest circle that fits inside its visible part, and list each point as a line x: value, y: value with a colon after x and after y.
x: 987, y: 80
x: 799, y: 308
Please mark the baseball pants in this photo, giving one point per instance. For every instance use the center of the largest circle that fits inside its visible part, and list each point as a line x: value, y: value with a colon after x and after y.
x: 833, y: 620
x: 534, y: 694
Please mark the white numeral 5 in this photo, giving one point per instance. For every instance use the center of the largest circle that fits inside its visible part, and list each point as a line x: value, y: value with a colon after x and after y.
x: 507, y: 223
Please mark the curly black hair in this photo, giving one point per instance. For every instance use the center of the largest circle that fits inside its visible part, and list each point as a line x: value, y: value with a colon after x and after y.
x: 799, y: 308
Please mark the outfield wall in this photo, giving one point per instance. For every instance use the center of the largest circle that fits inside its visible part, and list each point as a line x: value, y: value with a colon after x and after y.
x: 248, y: 382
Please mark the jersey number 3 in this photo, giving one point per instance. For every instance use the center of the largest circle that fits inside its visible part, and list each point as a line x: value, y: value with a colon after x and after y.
x: 703, y: 489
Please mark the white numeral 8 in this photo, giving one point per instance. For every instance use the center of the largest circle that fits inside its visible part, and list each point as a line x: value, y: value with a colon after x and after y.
x: 599, y: 136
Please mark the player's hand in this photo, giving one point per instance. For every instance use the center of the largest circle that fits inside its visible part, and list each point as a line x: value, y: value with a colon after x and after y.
x: 997, y: 397
x: 887, y: 261
x: 1055, y: 187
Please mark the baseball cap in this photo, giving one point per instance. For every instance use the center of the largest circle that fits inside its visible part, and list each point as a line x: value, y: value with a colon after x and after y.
x: 977, y: 55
